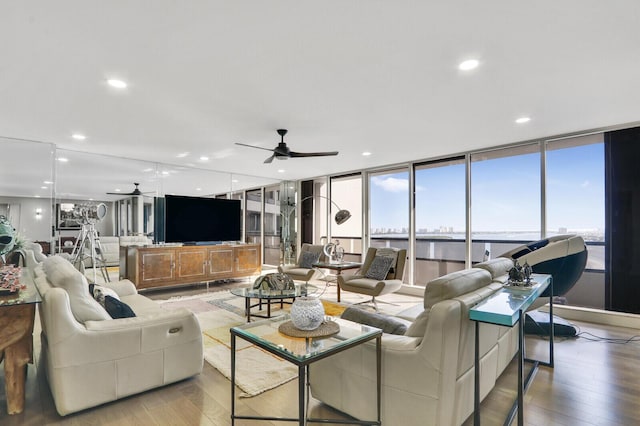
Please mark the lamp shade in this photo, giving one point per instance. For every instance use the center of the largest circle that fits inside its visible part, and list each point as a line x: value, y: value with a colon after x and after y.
x: 342, y: 216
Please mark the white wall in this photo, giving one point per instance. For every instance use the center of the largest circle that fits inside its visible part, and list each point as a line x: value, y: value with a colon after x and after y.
x: 28, y: 225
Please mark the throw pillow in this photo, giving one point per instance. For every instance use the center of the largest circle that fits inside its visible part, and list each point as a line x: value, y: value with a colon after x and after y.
x: 100, y: 292
x: 61, y: 273
x: 308, y: 258
x: 419, y: 325
x: 379, y: 268
x: 117, y: 309
x: 385, y: 323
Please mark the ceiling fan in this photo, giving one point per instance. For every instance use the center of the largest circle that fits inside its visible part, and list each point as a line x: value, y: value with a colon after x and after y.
x: 282, y: 151
x: 136, y: 191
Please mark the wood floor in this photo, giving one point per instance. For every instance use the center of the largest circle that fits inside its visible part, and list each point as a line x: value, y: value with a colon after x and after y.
x: 593, y: 383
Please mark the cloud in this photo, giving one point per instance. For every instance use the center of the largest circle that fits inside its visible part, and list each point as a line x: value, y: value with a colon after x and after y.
x: 391, y: 184
x: 585, y: 184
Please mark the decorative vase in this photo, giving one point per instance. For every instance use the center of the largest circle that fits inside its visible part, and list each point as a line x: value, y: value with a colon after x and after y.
x: 307, y: 313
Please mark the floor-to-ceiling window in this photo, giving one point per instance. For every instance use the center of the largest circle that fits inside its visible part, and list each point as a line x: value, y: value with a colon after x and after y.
x: 346, y: 194
x: 575, y: 194
x: 505, y: 199
x: 240, y: 196
x: 389, y: 209
x: 253, y: 216
x: 272, y: 223
x: 440, y: 218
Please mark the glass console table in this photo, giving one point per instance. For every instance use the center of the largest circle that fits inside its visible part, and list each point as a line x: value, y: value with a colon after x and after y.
x: 506, y: 307
x: 302, y: 352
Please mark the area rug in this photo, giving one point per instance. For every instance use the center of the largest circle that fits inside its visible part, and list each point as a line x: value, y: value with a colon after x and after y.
x: 256, y: 370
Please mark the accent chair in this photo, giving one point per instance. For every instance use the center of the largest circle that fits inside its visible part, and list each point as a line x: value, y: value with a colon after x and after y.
x: 381, y: 273
x: 303, y: 269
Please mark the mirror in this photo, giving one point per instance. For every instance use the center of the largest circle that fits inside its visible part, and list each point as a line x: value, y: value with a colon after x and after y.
x: 26, y: 187
x: 42, y: 210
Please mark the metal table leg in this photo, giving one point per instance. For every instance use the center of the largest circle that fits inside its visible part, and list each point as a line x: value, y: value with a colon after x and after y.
x: 233, y: 378
x: 476, y: 376
x: 302, y: 413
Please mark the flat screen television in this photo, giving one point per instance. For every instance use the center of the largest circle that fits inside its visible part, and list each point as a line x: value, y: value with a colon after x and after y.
x: 197, y: 220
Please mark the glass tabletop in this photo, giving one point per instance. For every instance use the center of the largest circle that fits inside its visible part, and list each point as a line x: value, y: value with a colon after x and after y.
x: 27, y: 294
x: 504, y: 305
x: 300, y: 290
x: 300, y: 349
x: 338, y: 266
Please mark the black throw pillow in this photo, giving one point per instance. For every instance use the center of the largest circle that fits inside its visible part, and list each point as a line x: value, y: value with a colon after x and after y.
x: 117, y: 308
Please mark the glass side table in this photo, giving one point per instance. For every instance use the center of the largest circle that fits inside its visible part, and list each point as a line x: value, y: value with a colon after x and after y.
x: 338, y: 267
x: 302, y: 352
x: 269, y: 296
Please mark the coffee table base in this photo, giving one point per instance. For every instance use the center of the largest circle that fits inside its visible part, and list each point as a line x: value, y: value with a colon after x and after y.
x: 248, y: 306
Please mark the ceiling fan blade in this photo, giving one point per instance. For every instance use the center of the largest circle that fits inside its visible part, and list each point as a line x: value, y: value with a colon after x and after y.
x: 269, y: 160
x: 312, y: 154
x: 253, y: 146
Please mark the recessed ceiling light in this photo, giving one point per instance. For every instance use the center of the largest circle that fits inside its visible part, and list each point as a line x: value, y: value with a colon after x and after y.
x: 63, y: 159
x: 280, y: 170
x: 90, y: 199
x: 117, y: 190
x: 235, y: 180
x: 118, y: 84
x: 182, y: 154
x: 165, y: 172
x: 47, y: 182
x: 198, y: 189
x: 366, y: 153
x: 37, y: 196
x: 148, y: 169
x: 78, y: 136
x: 468, y: 65
x: 522, y: 120
x: 204, y: 158
x: 44, y: 187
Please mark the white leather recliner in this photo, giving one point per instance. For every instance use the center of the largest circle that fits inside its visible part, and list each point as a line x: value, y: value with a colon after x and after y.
x: 428, y: 373
x: 91, y: 359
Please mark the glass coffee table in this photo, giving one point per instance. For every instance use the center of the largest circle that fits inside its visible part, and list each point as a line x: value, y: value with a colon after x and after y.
x: 269, y: 296
x: 303, y: 351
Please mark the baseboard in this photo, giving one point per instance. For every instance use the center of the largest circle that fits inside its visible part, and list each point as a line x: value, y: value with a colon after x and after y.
x: 598, y: 316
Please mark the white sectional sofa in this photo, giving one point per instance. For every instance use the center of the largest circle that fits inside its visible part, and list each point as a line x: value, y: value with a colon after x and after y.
x: 111, y: 247
x: 428, y: 373
x: 91, y: 359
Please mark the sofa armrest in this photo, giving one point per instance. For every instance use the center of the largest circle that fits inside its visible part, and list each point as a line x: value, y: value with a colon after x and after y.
x: 122, y: 287
x: 139, y: 322
x: 394, y: 342
x: 104, y: 341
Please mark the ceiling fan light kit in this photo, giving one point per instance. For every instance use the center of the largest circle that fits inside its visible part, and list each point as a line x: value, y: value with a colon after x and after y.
x: 282, y: 151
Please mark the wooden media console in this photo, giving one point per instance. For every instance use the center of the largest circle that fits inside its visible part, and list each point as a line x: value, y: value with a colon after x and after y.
x: 163, y: 265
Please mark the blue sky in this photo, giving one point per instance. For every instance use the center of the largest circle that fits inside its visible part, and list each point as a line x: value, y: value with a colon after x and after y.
x: 505, y: 193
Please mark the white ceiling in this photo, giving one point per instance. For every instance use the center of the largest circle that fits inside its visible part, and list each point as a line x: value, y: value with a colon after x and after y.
x: 352, y: 76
